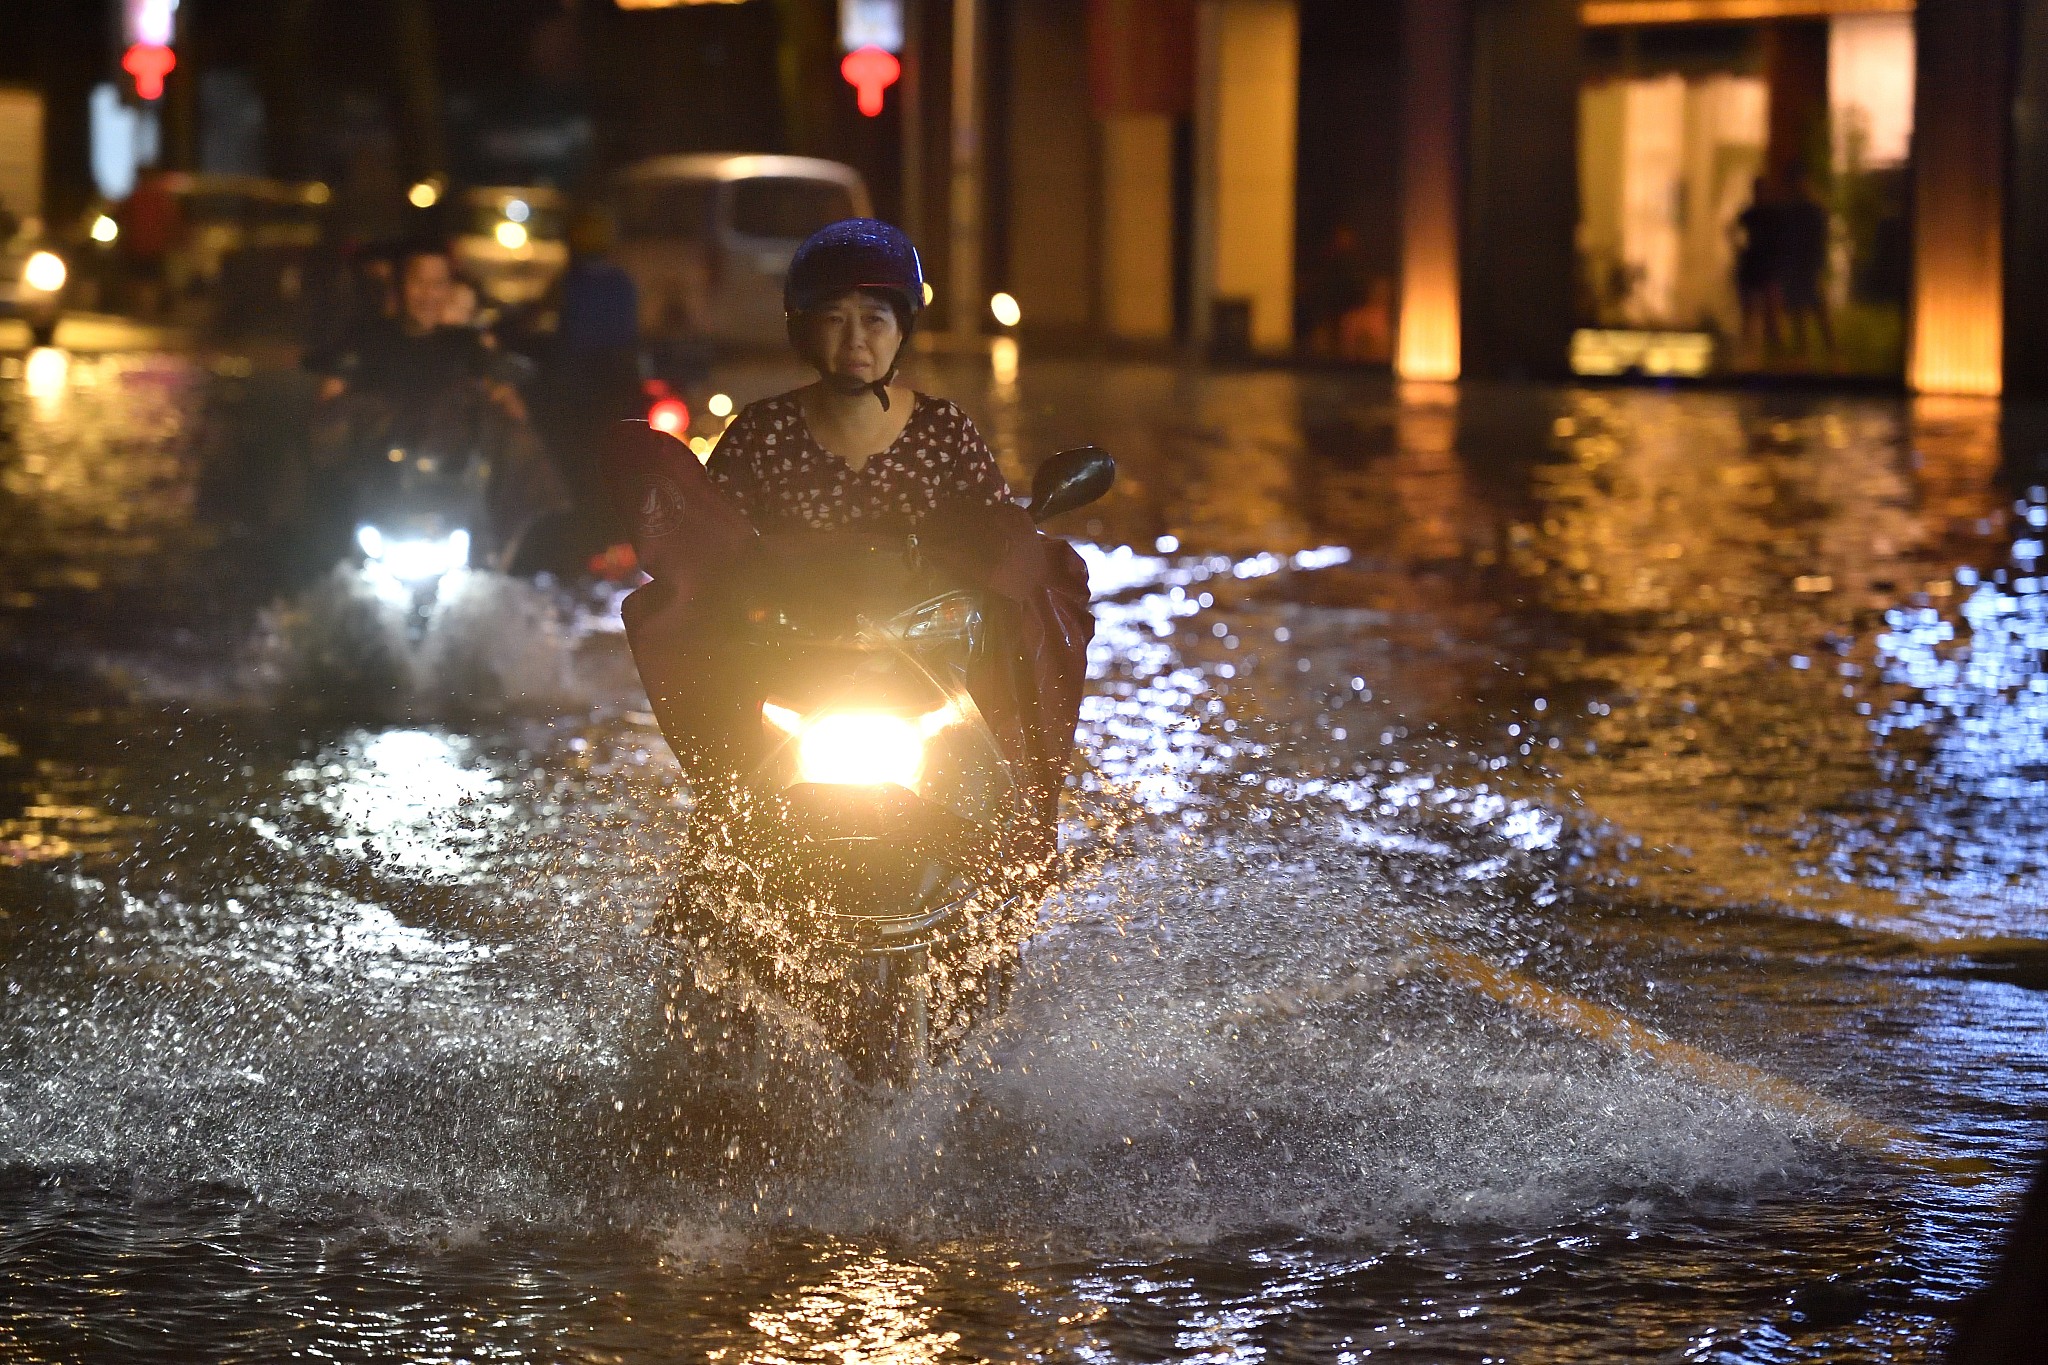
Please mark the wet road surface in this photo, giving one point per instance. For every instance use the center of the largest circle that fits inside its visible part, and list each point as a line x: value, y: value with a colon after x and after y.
x: 1562, y: 882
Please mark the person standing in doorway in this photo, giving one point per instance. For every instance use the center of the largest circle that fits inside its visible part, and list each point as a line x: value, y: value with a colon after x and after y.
x: 1802, y: 262
x: 1756, y: 233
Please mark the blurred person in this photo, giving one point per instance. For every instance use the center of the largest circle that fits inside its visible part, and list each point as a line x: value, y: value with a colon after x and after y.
x: 464, y: 309
x: 413, y: 358
x: 1757, y: 235
x: 415, y: 388
x: 596, y: 359
x: 1802, y: 259
x: 152, y: 226
x: 592, y: 376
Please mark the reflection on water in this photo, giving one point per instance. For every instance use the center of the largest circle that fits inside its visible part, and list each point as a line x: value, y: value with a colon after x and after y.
x: 95, y: 473
x: 1543, y: 855
x: 46, y: 376
x: 866, y: 1308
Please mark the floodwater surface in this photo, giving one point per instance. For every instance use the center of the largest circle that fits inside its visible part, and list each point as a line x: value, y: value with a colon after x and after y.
x: 1556, y: 877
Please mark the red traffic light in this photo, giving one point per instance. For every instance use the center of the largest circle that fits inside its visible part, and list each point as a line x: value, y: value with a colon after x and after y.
x: 149, y: 63
x: 870, y: 71
x: 669, y: 416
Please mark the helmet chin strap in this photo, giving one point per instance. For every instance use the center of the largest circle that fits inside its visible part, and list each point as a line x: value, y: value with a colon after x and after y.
x: 848, y: 385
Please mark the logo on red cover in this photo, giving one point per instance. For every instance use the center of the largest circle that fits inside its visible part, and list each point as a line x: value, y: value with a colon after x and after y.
x: 661, y: 508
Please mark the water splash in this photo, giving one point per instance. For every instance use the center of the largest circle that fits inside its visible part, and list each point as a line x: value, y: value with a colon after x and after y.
x: 487, y: 643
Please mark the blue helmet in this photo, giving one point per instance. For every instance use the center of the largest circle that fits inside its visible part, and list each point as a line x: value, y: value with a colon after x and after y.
x: 854, y: 253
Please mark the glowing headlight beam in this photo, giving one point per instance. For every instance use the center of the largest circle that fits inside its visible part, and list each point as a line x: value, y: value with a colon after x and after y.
x: 414, y: 561
x: 855, y: 749
x: 860, y: 748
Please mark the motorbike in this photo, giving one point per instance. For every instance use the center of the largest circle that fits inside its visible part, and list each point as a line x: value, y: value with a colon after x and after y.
x: 431, y: 493
x: 878, y: 862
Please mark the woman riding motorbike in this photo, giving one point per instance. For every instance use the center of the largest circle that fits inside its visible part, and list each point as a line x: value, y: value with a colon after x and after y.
x: 869, y: 661
x: 853, y: 453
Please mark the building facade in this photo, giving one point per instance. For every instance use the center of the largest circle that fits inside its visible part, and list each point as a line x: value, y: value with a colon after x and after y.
x: 1499, y: 187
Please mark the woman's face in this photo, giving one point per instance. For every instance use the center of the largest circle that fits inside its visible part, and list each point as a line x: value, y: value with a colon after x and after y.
x: 856, y: 337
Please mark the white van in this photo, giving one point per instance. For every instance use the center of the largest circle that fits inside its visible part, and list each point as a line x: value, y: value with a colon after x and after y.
x: 708, y: 238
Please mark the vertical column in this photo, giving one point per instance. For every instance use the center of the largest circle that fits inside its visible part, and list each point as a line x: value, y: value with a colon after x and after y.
x: 1427, y: 342
x: 910, y: 111
x: 1520, y: 252
x: 1248, y: 87
x: 1796, y: 70
x: 1050, y: 265
x: 1202, y: 193
x: 1962, y: 110
x: 2026, y: 252
x: 1141, y: 79
x: 963, y: 277
x: 1137, y: 227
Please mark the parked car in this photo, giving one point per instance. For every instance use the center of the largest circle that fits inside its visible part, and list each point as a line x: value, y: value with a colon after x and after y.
x: 708, y: 237
x: 33, y: 282
x: 224, y: 216
x: 245, y: 242
x: 511, y: 242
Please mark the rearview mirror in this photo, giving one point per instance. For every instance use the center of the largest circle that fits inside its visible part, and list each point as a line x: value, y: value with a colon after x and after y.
x: 1070, y: 479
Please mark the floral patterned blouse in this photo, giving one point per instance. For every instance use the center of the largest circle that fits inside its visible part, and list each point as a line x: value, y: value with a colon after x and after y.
x: 768, y: 463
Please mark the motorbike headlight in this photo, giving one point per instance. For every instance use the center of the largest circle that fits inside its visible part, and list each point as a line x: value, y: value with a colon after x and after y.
x: 414, y: 560
x: 44, y: 272
x: 859, y: 748
x: 952, y: 617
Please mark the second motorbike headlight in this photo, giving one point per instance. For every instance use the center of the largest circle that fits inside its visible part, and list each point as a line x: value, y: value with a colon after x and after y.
x: 414, y: 560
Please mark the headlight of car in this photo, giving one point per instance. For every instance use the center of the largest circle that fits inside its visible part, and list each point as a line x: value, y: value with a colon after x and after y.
x: 44, y: 272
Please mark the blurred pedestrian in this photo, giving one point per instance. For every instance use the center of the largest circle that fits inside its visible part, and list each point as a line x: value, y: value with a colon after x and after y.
x: 1802, y: 253
x: 592, y: 380
x: 152, y: 227
x: 1757, y: 237
x: 594, y: 376
x: 465, y: 310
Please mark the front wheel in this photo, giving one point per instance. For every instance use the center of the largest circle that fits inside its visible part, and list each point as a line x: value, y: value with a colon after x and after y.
x: 889, y: 1020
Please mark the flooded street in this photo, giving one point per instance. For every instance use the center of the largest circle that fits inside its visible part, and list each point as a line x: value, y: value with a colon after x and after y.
x: 1558, y: 877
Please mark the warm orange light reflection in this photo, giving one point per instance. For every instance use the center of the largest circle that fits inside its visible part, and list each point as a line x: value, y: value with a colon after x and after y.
x: 1597, y: 13
x: 1960, y: 138
x: 1958, y: 339
x: 1428, y: 343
